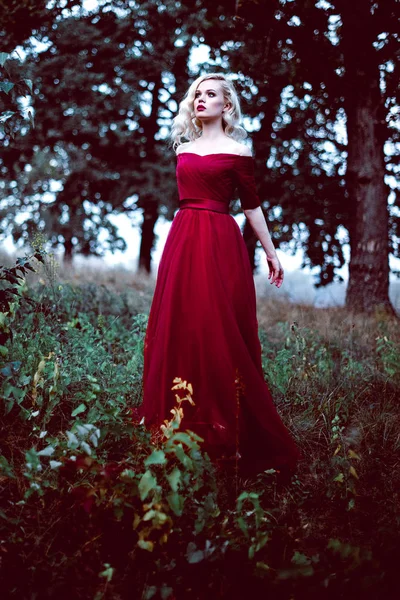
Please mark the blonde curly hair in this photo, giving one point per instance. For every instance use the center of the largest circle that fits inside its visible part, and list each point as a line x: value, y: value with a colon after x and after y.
x: 187, y: 125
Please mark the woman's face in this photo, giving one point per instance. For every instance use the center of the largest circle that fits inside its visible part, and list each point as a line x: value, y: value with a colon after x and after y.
x: 209, y: 99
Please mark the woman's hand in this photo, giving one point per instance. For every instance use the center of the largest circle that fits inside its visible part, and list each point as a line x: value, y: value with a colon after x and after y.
x: 275, y: 270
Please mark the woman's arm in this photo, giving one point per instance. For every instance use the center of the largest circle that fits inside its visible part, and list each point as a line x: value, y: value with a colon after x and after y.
x: 259, y: 225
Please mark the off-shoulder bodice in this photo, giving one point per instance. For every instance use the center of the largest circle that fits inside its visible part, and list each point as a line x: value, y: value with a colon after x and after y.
x: 215, y: 177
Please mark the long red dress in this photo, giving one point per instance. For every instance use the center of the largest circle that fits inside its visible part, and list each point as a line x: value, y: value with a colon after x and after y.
x: 203, y: 325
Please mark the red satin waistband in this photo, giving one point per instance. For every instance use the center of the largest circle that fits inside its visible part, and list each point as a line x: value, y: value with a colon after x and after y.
x: 205, y: 203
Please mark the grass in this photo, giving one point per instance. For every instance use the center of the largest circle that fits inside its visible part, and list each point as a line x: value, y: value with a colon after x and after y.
x: 94, y: 506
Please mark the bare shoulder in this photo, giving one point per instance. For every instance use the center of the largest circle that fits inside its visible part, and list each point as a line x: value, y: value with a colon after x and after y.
x: 183, y: 147
x: 243, y: 150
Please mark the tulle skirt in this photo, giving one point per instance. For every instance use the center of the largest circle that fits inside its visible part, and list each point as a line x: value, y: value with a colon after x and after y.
x: 203, y: 329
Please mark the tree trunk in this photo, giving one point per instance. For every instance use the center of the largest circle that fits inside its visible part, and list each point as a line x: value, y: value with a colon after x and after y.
x: 250, y: 239
x: 68, y: 250
x: 368, y: 286
x: 150, y: 202
x: 150, y: 216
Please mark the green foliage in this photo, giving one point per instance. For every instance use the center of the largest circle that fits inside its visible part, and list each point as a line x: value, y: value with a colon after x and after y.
x: 254, y: 523
x: 303, y: 359
x: 98, y: 504
x: 12, y: 86
x: 389, y: 352
x: 85, y: 150
x: 12, y: 291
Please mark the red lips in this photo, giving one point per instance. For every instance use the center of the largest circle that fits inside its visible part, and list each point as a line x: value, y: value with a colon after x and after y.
x: 201, y: 108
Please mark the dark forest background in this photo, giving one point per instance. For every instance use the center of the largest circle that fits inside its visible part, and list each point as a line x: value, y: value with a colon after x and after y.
x: 103, y: 85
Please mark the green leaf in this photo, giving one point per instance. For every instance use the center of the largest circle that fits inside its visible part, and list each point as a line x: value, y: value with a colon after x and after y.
x: 300, y: 559
x: 184, y: 438
x: 48, y: 451
x: 7, y: 389
x: 128, y: 473
x: 157, y: 457
x: 174, y: 479
x: 199, y: 524
x: 78, y: 410
x: 150, y: 515
x: 243, y: 496
x: 6, y: 86
x: 11, y: 367
x: 195, y: 437
x: 147, y: 483
x: 29, y: 83
x: 192, y: 554
x: 5, y: 116
x: 263, y: 566
x: 18, y: 394
x: 166, y: 592
x: 108, y: 572
x: 5, y: 467
x: 180, y: 454
x: 243, y: 526
x: 3, y: 58
x: 150, y: 592
x: 351, y: 504
x: 32, y: 459
x: 146, y: 545
x: 9, y: 405
x: 176, y: 502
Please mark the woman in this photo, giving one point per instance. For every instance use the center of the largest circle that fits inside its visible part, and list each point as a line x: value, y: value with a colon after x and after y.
x: 203, y: 325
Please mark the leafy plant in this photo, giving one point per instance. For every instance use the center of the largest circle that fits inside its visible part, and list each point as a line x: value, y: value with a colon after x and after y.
x: 79, y: 471
x: 13, y: 288
x: 12, y: 86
